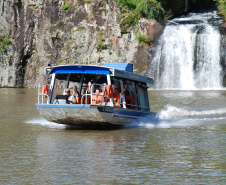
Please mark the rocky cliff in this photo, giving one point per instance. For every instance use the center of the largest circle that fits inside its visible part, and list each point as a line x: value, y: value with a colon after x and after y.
x: 223, y: 51
x: 35, y: 33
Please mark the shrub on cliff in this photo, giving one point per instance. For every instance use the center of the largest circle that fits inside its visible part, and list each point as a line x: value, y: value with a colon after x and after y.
x: 144, y: 40
x: 68, y: 5
x: 4, y: 44
x: 222, y: 7
x: 129, y: 20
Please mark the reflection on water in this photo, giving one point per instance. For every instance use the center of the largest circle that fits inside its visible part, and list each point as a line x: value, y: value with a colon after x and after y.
x: 184, y: 146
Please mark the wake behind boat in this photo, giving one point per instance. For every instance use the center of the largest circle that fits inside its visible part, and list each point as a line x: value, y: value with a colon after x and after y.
x: 110, y: 95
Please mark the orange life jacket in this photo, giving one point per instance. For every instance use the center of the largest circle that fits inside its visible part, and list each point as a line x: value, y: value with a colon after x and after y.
x: 97, y: 99
x: 45, y: 90
x: 86, y: 99
x: 129, y: 100
x: 116, y: 99
x: 78, y: 100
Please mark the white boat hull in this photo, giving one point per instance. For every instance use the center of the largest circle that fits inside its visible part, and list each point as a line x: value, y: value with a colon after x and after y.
x: 87, y: 115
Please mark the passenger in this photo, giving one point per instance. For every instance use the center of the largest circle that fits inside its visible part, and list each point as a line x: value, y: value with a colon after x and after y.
x: 89, y: 88
x: 97, y: 97
x: 70, y: 99
x: 135, y: 97
x: 118, y: 87
x: 106, y: 99
x: 116, y: 97
x: 86, y: 97
x: 86, y: 94
x: 128, y: 96
x: 78, y: 96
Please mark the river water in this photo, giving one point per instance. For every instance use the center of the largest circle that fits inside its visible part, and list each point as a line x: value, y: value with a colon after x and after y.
x: 184, y: 144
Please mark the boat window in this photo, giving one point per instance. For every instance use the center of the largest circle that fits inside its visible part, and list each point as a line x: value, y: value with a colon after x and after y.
x: 139, y: 99
x: 143, y: 103
x: 130, y: 99
x: 60, y: 78
x: 116, y: 84
x: 59, y: 85
x: 75, y: 77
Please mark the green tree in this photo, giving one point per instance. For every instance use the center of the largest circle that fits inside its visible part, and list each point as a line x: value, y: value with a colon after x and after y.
x: 222, y: 6
x: 151, y: 9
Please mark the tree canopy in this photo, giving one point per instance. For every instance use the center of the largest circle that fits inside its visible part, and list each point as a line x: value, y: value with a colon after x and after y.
x: 165, y: 9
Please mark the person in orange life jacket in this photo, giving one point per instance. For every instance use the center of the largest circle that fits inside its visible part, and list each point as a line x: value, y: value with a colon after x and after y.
x: 89, y: 87
x: 118, y: 87
x: 106, y: 99
x: 97, y: 97
x: 86, y: 94
x: 116, y: 97
x: 70, y: 99
x: 78, y: 97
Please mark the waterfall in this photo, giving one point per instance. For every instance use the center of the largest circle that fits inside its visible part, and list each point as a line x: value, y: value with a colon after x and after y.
x: 188, y: 53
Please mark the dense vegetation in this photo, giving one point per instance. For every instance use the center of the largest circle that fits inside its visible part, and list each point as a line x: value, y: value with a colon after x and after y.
x: 222, y: 6
x: 165, y: 9
x: 151, y: 9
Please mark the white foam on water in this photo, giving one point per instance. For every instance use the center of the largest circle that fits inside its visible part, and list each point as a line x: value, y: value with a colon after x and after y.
x: 43, y: 122
x: 172, y: 112
x: 172, y: 116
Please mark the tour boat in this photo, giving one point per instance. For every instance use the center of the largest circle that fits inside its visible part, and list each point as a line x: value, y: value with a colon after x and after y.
x: 94, y: 83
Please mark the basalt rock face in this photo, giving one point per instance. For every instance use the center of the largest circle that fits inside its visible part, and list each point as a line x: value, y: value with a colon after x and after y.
x: 7, y: 69
x: 223, y: 51
x: 57, y: 32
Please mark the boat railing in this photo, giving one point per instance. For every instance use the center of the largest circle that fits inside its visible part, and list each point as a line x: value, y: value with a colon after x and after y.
x: 144, y: 108
x: 86, y: 100
x: 134, y: 106
x: 43, y: 92
x: 131, y: 105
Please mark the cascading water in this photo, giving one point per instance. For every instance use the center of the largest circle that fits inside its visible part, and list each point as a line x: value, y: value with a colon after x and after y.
x: 188, y: 53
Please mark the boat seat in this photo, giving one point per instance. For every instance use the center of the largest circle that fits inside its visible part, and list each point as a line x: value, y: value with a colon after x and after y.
x: 60, y: 99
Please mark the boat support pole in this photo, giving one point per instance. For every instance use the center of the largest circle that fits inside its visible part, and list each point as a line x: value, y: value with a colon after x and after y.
x: 67, y: 81
x: 123, y: 96
x: 80, y: 84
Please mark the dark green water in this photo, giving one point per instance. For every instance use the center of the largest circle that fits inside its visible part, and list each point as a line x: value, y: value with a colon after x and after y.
x: 185, y: 144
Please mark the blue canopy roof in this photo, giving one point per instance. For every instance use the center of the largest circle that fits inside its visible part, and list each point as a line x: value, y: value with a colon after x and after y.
x: 120, y: 66
x: 80, y: 69
x: 117, y: 70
